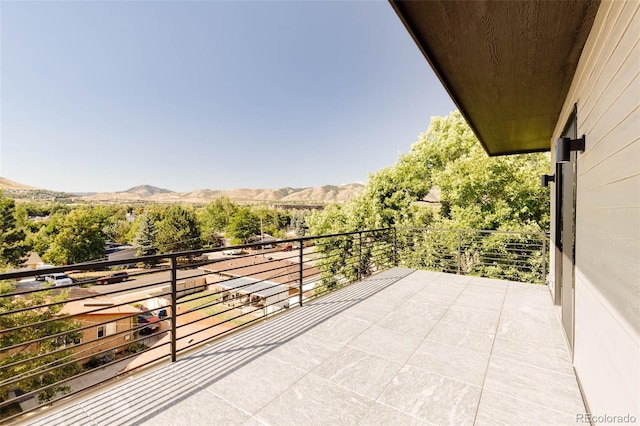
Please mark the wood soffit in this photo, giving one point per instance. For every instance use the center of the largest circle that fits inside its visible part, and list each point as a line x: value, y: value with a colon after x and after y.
x: 507, y: 65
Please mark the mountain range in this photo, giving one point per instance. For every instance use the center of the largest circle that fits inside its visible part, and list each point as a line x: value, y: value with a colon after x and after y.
x: 147, y: 193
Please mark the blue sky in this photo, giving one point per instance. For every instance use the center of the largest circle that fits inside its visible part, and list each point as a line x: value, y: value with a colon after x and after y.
x: 102, y: 96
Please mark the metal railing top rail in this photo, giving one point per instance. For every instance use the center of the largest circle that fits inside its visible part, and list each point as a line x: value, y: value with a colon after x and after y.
x: 88, y: 266
x: 487, y: 231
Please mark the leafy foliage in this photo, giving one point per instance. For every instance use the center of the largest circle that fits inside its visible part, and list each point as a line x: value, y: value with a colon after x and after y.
x: 12, y: 239
x: 178, y: 230
x: 45, y: 356
x: 476, y: 192
x: 76, y: 237
x: 244, y: 225
x: 215, y: 218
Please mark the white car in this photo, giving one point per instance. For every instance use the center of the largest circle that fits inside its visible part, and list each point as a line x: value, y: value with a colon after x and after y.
x: 234, y: 251
x: 58, y: 279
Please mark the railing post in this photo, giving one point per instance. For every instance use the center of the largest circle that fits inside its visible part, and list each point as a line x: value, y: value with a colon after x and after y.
x: 395, y: 246
x: 459, y: 252
x: 174, y: 305
x: 300, y: 259
x: 544, y: 257
x: 359, y: 255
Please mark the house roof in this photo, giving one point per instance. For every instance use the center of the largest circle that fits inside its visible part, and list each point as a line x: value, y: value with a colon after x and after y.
x: 246, y: 285
x: 264, y: 238
x: 261, y: 268
x: 33, y: 259
x: 86, y: 306
x: 507, y: 65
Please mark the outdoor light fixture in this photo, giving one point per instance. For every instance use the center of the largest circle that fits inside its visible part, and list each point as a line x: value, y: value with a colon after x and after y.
x: 564, y: 146
x: 547, y: 178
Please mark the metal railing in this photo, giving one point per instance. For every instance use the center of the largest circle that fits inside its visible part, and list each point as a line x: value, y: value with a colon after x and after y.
x: 59, y: 341
x: 509, y: 255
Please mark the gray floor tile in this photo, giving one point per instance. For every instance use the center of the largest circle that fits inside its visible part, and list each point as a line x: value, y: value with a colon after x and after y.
x: 498, y: 409
x: 386, y: 343
x: 190, y: 412
x: 489, y: 283
x: 452, y: 361
x: 253, y: 422
x: 381, y: 415
x: 528, y: 327
x: 394, y: 297
x: 370, y: 310
x: 423, y: 310
x: 465, y: 337
x: 358, y: 371
x: 533, y: 353
x: 124, y: 403
x: 256, y: 384
x: 305, y: 352
x: 492, y: 303
x: 71, y: 416
x: 315, y: 401
x: 431, y: 397
x: 339, y: 329
x: 542, y: 387
x: 325, y: 364
x: 476, y: 319
x: 407, y: 324
x: 441, y: 300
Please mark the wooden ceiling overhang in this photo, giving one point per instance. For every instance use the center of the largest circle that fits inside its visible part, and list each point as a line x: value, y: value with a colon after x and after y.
x: 507, y: 65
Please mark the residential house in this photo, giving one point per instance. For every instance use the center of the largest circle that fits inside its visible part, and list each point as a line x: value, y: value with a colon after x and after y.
x: 109, y: 327
x: 562, y: 77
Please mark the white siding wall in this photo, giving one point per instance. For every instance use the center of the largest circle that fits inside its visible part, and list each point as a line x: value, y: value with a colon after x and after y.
x: 606, y: 89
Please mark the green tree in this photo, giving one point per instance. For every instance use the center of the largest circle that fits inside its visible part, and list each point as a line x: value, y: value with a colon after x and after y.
x: 178, y: 231
x: 244, y: 225
x: 45, y: 356
x: 144, y: 240
x: 13, y: 247
x: 299, y: 222
x: 477, y: 192
x: 78, y: 238
x: 214, y: 219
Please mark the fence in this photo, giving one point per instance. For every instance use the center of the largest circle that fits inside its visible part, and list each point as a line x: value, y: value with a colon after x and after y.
x: 54, y: 339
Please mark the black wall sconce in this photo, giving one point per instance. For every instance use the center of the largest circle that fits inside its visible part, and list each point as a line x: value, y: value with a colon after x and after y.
x: 547, y: 178
x: 564, y: 146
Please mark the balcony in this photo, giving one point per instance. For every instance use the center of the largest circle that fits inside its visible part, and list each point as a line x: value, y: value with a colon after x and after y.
x: 397, y: 346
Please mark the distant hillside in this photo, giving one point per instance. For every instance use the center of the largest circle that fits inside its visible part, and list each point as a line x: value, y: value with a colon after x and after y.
x: 147, y: 193
x: 12, y: 185
x: 322, y: 195
x: 147, y: 190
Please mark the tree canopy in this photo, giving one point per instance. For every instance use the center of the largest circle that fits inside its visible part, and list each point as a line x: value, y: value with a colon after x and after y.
x: 477, y: 191
x: 47, y: 356
x: 178, y: 230
x: 78, y: 237
x: 13, y: 247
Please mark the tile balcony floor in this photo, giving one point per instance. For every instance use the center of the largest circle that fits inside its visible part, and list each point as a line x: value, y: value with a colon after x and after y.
x: 403, y: 347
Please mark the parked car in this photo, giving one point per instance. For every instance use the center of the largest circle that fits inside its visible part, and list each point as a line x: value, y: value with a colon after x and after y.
x: 116, y: 277
x: 57, y: 279
x: 234, y: 251
x: 288, y: 247
x: 147, y: 317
